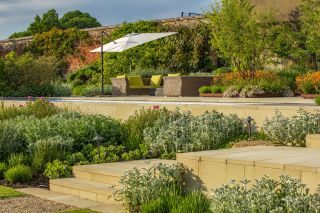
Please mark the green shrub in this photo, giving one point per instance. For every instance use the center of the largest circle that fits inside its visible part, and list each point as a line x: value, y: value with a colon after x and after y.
x: 3, y: 169
x: 28, y: 75
x: 135, y: 125
x: 77, y: 158
x: 222, y: 70
x: 86, y: 90
x: 75, y: 126
x: 57, y: 42
x: 11, y: 139
x: 218, y: 89
x: 205, y: 89
x: 39, y: 108
x: 194, y: 202
x: 50, y: 149
x: 142, y: 187
x: 292, y: 131
x: 166, y: 201
x: 148, y: 73
x: 172, y: 200
x: 61, y: 90
x: 265, y: 195
x: 108, y: 154
x: 18, y: 174
x: 318, y: 100
x: 57, y: 169
x: 17, y: 159
x: 182, y: 132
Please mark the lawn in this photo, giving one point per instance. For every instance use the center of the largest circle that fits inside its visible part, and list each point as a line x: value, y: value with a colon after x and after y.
x: 6, y: 192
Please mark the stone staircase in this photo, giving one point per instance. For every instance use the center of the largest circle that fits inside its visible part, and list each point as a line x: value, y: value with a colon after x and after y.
x: 97, y: 182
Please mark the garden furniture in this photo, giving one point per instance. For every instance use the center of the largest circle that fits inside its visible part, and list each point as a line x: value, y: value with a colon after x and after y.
x: 184, y: 85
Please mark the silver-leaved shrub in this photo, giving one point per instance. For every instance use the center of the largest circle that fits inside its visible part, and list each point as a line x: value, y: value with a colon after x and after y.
x: 266, y: 195
x: 181, y: 132
x: 142, y: 186
x: 292, y: 131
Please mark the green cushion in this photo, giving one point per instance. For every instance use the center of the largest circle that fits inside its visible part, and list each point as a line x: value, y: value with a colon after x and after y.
x: 122, y: 76
x: 174, y: 75
x: 135, y: 82
x: 156, y: 80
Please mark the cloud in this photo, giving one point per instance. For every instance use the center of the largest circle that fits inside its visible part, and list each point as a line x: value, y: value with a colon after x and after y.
x: 16, y: 15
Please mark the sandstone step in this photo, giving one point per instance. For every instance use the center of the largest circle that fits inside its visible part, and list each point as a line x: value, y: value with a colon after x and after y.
x: 72, y: 200
x: 110, y: 173
x: 99, y: 192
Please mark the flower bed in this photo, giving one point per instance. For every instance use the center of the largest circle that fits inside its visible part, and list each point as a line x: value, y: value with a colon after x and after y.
x: 309, y: 85
x: 263, y: 84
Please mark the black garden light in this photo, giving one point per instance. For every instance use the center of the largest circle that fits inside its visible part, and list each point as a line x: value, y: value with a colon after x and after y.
x: 98, y: 140
x: 249, y: 121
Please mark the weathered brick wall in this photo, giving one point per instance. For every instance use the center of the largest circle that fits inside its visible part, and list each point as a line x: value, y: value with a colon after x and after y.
x: 19, y: 44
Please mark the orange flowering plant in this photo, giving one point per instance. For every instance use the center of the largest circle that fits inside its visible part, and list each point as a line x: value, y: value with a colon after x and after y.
x: 267, y: 81
x: 309, y: 83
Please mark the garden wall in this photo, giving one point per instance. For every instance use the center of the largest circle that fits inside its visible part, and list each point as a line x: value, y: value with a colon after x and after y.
x: 19, y: 44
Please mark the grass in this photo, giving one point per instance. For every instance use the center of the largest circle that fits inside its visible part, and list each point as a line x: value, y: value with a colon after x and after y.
x: 79, y: 211
x: 6, y: 192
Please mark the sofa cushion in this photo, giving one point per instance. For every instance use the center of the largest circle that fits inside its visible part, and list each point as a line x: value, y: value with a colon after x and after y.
x: 156, y: 80
x: 122, y: 76
x: 174, y: 75
x: 135, y: 82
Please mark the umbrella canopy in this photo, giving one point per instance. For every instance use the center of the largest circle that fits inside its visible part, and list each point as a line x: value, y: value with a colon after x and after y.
x: 130, y: 41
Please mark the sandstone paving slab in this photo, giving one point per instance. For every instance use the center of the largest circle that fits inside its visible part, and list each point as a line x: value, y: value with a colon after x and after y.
x: 119, y: 168
x: 72, y: 200
x: 204, y: 155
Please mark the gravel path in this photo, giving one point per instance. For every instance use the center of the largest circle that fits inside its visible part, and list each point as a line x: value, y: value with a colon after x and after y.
x: 30, y: 204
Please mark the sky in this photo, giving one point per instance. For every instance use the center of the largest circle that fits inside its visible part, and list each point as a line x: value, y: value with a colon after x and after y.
x: 16, y: 15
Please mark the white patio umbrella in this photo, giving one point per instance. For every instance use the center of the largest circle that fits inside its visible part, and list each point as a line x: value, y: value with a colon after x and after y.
x: 127, y: 42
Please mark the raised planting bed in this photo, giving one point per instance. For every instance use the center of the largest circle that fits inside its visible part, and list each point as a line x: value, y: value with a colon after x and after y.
x: 217, y: 95
x: 309, y: 96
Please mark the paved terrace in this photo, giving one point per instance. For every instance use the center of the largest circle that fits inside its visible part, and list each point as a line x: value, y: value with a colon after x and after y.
x: 211, y: 169
x: 123, y: 107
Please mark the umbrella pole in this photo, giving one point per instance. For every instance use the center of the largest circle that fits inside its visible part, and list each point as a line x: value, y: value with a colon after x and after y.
x: 102, y: 65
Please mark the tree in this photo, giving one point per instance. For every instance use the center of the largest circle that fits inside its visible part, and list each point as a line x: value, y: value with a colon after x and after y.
x: 310, y: 22
x: 48, y: 21
x: 79, y: 20
x: 237, y: 37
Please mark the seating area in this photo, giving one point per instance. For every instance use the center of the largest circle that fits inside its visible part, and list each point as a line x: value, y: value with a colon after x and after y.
x: 173, y: 85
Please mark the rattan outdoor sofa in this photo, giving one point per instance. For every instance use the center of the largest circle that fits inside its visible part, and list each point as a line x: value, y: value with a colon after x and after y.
x: 184, y: 85
x: 121, y: 87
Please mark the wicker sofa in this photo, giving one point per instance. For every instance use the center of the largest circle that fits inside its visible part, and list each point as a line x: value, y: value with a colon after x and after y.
x: 120, y: 87
x: 184, y: 85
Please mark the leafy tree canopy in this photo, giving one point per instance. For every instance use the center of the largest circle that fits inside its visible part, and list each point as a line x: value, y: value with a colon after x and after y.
x: 310, y: 19
x: 79, y: 20
x: 236, y: 35
x: 50, y: 19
